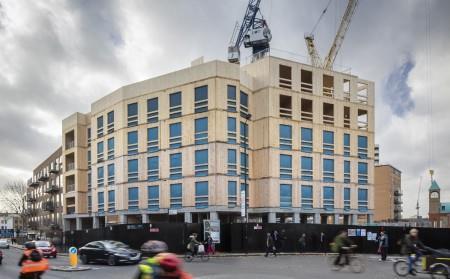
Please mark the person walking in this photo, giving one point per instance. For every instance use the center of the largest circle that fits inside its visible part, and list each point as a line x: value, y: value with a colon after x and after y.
x: 322, y: 244
x: 210, y: 249
x: 302, y: 243
x: 270, y: 245
x: 383, y: 245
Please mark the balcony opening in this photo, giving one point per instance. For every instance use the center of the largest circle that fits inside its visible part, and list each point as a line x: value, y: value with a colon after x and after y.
x: 328, y: 114
x: 346, y: 89
x: 285, y: 106
x: 70, y: 139
x: 70, y: 162
x: 328, y: 86
x: 362, y: 119
x: 362, y: 94
x: 70, y: 205
x: 346, y: 117
x: 307, y: 110
x: 306, y: 84
x: 70, y: 183
x: 285, y: 77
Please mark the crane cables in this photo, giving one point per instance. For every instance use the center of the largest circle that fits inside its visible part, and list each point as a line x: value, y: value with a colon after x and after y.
x: 320, y: 17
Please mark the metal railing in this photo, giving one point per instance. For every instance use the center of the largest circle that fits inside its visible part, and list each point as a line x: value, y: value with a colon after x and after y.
x: 70, y: 144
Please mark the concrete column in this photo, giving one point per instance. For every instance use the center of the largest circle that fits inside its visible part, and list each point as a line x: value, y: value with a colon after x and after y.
x: 369, y: 218
x: 213, y: 216
x: 78, y: 224
x: 66, y: 225
x: 354, y: 220
x: 272, y: 218
x: 95, y: 222
x: 336, y: 218
x: 145, y: 219
x: 122, y: 219
x: 316, y: 218
x: 188, y: 217
x: 297, y: 218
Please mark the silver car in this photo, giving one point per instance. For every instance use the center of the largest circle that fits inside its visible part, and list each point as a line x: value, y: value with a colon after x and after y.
x: 4, y: 244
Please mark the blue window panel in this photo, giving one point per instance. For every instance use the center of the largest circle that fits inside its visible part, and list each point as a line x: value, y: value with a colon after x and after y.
x: 176, y: 196
x: 285, y: 166
x: 132, y: 114
x: 328, y: 198
x: 88, y: 159
x: 110, y: 148
x: 132, y: 143
x: 133, y: 198
x: 201, y: 99
x: 231, y: 130
x: 100, y: 177
x: 328, y: 142
x: 362, y: 147
x: 175, y: 105
x: 111, y: 201
x: 110, y: 121
x: 307, y: 168
x: 201, y: 194
x: 347, y: 169
x: 175, y: 166
x: 89, y: 204
x: 133, y: 170
x: 153, y: 198
x: 201, y: 162
x: 244, y: 104
x: 201, y: 130
x: 232, y: 193
x: 307, y: 196
x: 101, y: 202
x: 346, y: 198
x: 231, y: 98
x: 175, y: 135
x: 328, y: 170
x: 285, y: 195
x: 100, y: 126
x: 152, y: 140
x: 347, y: 145
x: 232, y: 162
x: 152, y: 110
x: 153, y: 168
x: 244, y: 165
x: 363, y: 199
x: 111, y: 174
x: 362, y: 173
x: 244, y: 134
x: 285, y: 137
x: 306, y: 140
x: 100, y: 151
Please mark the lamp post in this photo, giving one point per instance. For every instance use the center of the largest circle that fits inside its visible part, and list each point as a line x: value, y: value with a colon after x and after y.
x: 247, y: 117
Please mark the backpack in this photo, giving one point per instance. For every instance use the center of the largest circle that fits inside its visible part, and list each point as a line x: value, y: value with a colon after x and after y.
x: 35, y: 256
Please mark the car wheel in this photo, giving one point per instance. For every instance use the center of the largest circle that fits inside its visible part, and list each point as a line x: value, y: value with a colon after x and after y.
x: 84, y: 259
x: 112, y: 260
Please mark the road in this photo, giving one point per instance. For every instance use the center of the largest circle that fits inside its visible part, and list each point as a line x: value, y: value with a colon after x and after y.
x: 306, y: 266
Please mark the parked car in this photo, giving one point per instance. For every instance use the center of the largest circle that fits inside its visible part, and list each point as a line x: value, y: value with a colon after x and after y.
x: 48, y: 250
x: 109, y: 251
x: 1, y: 257
x: 4, y: 244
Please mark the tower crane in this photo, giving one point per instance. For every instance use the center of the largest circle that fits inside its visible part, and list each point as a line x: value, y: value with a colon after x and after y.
x: 253, y: 32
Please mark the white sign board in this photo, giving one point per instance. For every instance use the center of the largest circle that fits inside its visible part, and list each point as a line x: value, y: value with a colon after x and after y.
x: 212, y: 228
x: 173, y: 212
x: 242, y: 203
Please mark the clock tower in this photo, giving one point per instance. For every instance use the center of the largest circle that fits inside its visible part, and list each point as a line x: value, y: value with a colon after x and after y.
x: 434, y: 200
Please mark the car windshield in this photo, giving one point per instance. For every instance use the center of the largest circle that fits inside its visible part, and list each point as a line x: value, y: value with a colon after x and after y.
x: 115, y: 244
x: 42, y: 244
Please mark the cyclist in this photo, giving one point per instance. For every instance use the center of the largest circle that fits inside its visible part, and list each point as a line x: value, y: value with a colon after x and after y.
x: 413, y: 247
x: 32, y: 263
x: 342, y: 244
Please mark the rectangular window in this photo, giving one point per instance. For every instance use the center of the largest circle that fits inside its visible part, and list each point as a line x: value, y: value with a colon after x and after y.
x: 176, y: 196
x: 89, y: 181
x: 100, y: 177
x: 306, y: 110
x: 153, y: 198
x: 347, y: 117
x: 175, y: 105
x: 328, y: 198
x: 328, y: 113
x: 89, y: 159
x: 362, y: 173
x: 175, y: 166
x: 285, y: 76
x: 363, y: 200
x: 347, y: 175
x: 132, y: 143
x: 99, y: 126
x: 346, y: 198
x: 153, y: 168
x: 152, y: 110
x: 244, y: 134
x: 89, y: 204
x: 152, y: 140
x: 201, y: 99
x: 231, y: 130
x: 285, y: 195
x: 285, y: 166
x: 328, y: 170
x: 346, y: 89
x: 89, y: 137
x: 232, y: 162
x: 307, y: 168
x: 328, y: 142
x: 201, y: 194
x: 110, y: 122
x: 306, y: 84
x: 285, y: 137
x: 244, y: 165
x: 231, y: 98
x: 111, y: 174
x: 244, y: 104
x: 133, y: 170
x: 133, y: 198
x: 307, y: 196
x: 201, y: 162
x: 362, y: 147
x: 285, y: 106
x: 201, y: 130
x: 175, y: 135
x: 111, y: 201
x: 101, y: 202
x: 232, y: 193
x: 110, y: 148
x: 306, y: 140
x: 100, y: 151
x: 346, y: 145
x: 132, y: 114
x: 328, y: 86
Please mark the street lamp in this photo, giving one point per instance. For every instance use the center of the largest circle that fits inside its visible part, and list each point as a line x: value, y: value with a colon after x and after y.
x: 247, y: 117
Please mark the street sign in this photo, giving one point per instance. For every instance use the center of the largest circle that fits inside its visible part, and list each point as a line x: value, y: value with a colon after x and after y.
x: 242, y: 203
x: 73, y: 256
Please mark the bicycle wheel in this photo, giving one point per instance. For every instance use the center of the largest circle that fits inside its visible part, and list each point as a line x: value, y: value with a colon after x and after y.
x: 356, y: 265
x: 401, y: 268
x: 439, y: 271
x: 204, y: 257
x: 330, y: 258
x: 188, y: 257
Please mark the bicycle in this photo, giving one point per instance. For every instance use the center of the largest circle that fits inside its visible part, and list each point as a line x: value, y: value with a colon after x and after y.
x: 436, y: 266
x: 189, y: 255
x: 356, y: 262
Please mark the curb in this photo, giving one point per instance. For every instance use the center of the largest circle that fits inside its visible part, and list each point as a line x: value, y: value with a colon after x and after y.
x: 65, y: 268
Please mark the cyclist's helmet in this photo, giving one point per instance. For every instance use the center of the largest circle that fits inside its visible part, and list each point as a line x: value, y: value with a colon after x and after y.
x: 30, y: 245
x: 154, y: 247
x: 168, y: 262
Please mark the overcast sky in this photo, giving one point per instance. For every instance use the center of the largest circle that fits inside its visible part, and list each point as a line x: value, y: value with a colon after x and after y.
x: 57, y: 57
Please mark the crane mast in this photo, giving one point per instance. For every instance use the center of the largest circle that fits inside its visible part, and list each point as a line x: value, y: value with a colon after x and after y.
x: 314, y: 57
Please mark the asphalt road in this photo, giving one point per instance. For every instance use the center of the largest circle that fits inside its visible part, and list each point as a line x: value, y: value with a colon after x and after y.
x: 305, y: 266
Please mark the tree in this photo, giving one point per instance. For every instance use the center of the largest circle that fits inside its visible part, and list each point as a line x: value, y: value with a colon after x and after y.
x: 12, y: 197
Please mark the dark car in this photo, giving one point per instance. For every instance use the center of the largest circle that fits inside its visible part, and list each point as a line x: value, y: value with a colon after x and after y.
x: 109, y: 251
x: 48, y: 250
x: 1, y: 256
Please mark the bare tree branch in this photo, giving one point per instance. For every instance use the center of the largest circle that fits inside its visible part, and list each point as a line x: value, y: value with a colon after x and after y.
x: 11, y: 195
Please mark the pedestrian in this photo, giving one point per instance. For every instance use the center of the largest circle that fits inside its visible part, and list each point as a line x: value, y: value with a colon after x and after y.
x: 302, y: 243
x: 322, y: 242
x: 383, y: 245
x: 210, y: 249
x: 270, y: 245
